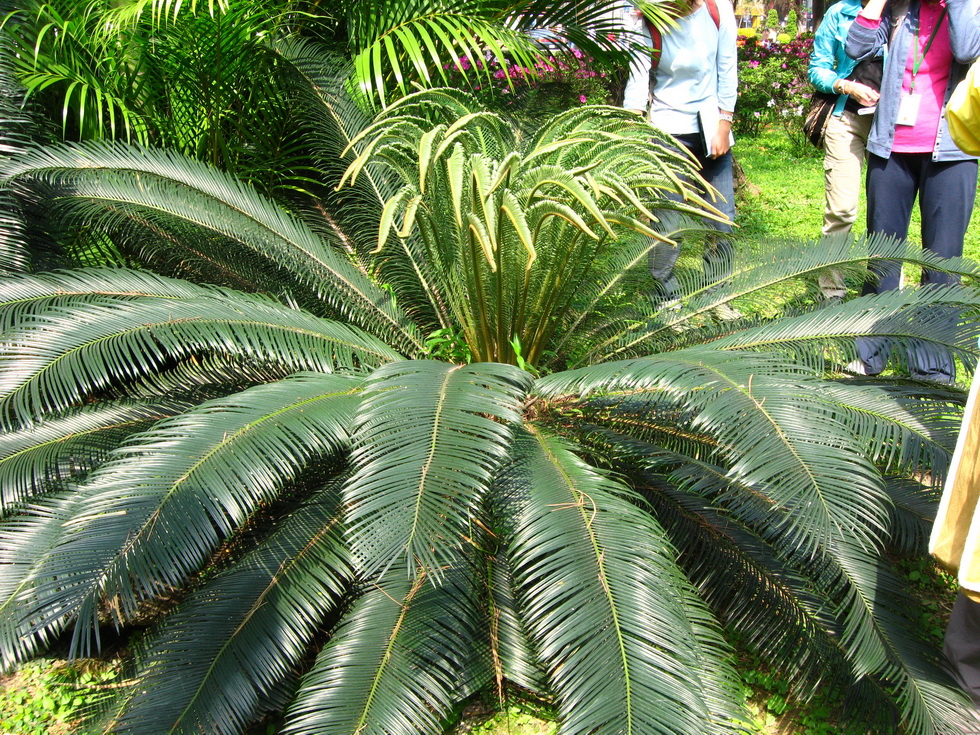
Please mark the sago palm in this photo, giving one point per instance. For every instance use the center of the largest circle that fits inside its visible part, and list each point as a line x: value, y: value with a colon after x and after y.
x: 428, y: 437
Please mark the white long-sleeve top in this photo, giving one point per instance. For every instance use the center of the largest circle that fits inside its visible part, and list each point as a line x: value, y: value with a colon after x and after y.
x: 698, y: 62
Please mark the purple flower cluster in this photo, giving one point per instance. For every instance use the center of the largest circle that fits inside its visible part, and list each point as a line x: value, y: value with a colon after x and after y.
x: 569, y: 74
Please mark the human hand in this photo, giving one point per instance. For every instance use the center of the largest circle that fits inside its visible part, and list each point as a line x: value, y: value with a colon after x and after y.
x: 865, y: 95
x: 721, y: 143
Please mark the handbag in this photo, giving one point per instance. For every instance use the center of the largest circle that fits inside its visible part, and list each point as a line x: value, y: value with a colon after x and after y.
x: 817, y: 117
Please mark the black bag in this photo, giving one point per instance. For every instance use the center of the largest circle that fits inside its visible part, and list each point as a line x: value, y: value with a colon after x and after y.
x: 869, y: 72
x: 817, y: 117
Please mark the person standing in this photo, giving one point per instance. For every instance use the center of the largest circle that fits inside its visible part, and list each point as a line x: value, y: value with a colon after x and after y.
x: 830, y: 72
x: 910, y: 150
x: 691, y: 81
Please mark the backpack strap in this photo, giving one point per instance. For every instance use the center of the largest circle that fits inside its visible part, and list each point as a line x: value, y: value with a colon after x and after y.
x: 658, y: 38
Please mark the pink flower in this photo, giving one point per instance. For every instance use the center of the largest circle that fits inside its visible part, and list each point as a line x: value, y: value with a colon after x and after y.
x: 583, y: 99
x: 577, y: 53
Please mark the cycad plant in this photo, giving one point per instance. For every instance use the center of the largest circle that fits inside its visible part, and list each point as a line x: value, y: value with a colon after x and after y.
x: 428, y: 437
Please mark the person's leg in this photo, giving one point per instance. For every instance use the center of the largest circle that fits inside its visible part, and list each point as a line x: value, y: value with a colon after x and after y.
x: 718, y: 253
x: 663, y: 257
x: 946, y: 194
x: 844, y: 155
x: 961, y: 646
x: 892, y: 185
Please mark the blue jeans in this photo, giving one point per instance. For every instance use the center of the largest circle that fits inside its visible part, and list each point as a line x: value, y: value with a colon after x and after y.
x: 717, y: 257
x: 946, y: 190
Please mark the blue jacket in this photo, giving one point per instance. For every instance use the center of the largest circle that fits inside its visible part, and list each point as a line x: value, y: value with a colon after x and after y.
x: 964, y: 37
x: 829, y: 61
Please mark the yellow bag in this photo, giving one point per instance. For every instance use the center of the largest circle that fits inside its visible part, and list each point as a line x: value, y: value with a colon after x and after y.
x: 963, y: 112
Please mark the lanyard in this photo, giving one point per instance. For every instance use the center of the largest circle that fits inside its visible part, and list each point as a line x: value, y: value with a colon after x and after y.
x: 916, y: 59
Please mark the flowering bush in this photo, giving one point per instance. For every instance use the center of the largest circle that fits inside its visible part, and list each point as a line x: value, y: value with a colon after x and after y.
x: 557, y: 82
x: 773, y: 85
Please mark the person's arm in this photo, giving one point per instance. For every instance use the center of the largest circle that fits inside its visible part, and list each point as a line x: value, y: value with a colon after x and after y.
x: 964, y: 33
x: 727, y: 77
x: 636, y: 96
x: 869, y: 32
x: 822, y: 70
x: 873, y: 10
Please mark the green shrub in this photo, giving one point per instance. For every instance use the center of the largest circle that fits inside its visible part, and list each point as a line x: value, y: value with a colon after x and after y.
x: 773, y: 86
x: 792, y: 24
x: 48, y: 697
x: 558, y: 81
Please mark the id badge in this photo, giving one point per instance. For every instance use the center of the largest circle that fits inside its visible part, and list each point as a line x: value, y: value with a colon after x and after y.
x: 908, y: 109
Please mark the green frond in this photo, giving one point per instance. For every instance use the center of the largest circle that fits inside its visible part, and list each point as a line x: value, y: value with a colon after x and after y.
x: 335, y: 120
x: 775, y: 431
x: 61, y: 450
x: 758, y: 277
x: 754, y: 276
x: 513, y: 654
x: 25, y: 539
x: 777, y: 597
x: 628, y: 646
x: 169, y: 496
x: 450, y: 36
x: 74, y: 349
x: 22, y: 295
x: 928, y: 316
x: 882, y: 637
x: 142, y: 191
x: 429, y: 437
x: 914, y: 506
x: 400, y: 659
x: 209, y: 666
x: 14, y: 251
x: 906, y: 429
x: 16, y: 129
x: 731, y: 549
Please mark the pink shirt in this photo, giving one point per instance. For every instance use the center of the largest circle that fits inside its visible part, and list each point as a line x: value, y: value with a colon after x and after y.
x: 930, y: 82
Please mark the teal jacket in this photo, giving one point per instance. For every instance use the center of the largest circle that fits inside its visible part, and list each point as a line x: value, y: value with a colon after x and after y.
x: 829, y: 61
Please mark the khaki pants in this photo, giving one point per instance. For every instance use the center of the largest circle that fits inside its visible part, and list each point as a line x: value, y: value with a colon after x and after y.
x: 844, y: 153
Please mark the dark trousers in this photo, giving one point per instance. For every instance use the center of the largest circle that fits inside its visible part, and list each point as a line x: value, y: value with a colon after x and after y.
x: 946, y: 191
x: 717, y: 256
x: 962, y: 645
